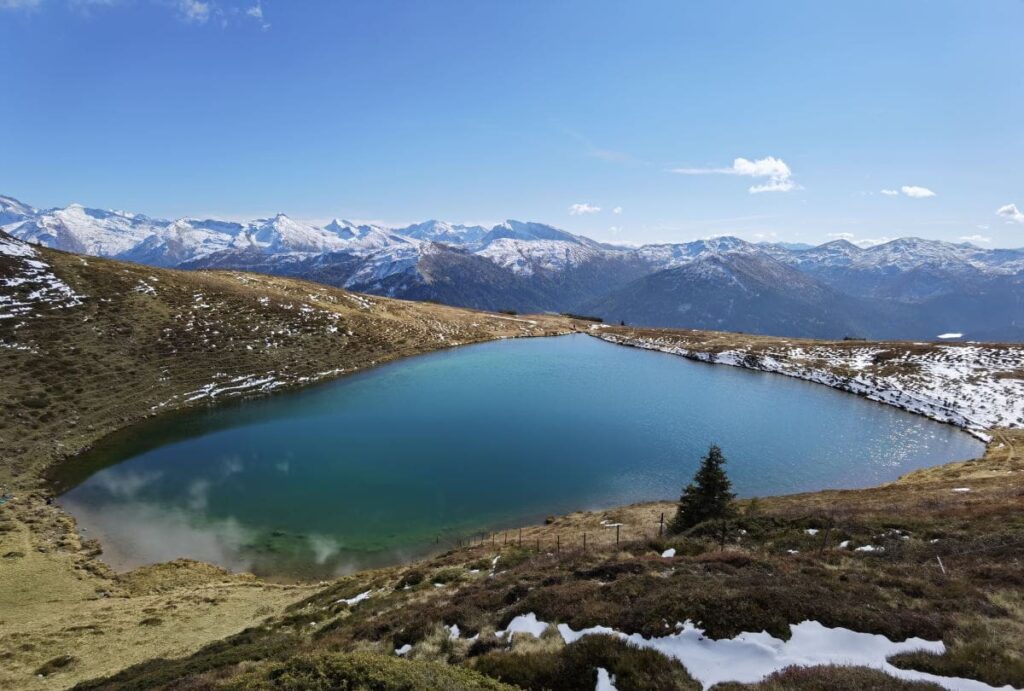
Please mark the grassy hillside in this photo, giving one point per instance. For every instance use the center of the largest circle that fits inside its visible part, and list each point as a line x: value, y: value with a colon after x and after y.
x: 146, y: 340
x: 91, y: 346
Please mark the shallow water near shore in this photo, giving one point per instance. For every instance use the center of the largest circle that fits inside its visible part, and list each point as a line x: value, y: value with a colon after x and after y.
x: 395, y: 462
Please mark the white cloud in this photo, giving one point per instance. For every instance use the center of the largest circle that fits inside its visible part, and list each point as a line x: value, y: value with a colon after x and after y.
x: 871, y: 242
x: 975, y: 238
x: 18, y: 4
x: 842, y: 236
x: 617, y: 210
x: 772, y: 167
x: 912, y: 191
x: 1011, y: 213
x: 916, y: 192
x: 773, y: 186
x: 580, y: 209
x: 780, y: 177
x: 194, y: 10
x: 256, y: 12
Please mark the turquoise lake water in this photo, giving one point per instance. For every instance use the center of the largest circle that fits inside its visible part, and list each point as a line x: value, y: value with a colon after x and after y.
x: 389, y: 463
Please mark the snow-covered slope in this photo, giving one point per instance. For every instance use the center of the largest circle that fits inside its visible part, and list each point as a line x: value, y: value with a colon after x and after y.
x: 527, y: 256
x: 28, y: 284
x: 977, y: 387
x: 447, y: 233
x: 670, y: 256
x: 12, y: 211
x: 88, y: 231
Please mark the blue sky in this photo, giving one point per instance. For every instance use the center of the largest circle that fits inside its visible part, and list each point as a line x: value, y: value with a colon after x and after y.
x: 668, y: 117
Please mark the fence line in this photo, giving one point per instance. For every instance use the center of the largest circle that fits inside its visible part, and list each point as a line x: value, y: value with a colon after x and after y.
x: 624, y: 534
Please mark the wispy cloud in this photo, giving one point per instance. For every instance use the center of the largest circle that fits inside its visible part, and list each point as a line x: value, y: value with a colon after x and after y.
x: 842, y: 236
x: 584, y: 208
x: 871, y: 242
x: 912, y: 191
x: 19, y: 4
x: 256, y: 12
x: 199, y: 12
x: 778, y: 174
x: 605, y: 154
x: 975, y: 238
x: 1011, y: 213
x: 194, y: 11
x: 617, y: 210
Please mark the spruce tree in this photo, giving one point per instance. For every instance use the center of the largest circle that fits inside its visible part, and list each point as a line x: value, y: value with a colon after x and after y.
x: 708, y: 497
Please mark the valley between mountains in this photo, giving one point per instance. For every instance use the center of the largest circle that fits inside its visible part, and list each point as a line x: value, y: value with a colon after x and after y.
x: 90, y: 345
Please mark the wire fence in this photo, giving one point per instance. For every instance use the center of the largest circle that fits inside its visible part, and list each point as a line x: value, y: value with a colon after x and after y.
x: 545, y: 540
x: 553, y: 541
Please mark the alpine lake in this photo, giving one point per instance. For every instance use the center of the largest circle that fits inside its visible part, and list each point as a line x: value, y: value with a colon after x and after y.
x: 395, y: 462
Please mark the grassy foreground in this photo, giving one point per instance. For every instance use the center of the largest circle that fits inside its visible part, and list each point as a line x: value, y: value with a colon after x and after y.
x: 146, y: 341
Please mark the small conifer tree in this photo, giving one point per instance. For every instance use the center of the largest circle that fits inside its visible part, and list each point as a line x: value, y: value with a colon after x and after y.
x: 708, y: 497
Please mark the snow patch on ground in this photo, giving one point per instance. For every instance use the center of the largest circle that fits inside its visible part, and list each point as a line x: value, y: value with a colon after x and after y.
x: 976, y: 387
x: 524, y: 623
x: 356, y: 599
x: 750, y: 657
x: 605, y: 682
x: 27, y: 283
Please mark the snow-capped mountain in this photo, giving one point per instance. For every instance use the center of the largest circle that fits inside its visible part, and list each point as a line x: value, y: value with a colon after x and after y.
x: 12, y: 211
x: 447, y: 233
x: 908, y: 287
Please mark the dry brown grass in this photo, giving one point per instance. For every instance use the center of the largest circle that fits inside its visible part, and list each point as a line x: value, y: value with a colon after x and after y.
x: 102, y: 366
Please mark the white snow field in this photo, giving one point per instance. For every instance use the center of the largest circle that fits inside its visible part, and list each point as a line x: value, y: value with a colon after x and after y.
x: 750, y: 657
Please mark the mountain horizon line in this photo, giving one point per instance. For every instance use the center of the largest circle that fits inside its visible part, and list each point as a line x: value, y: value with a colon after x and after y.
x: 10, y: 202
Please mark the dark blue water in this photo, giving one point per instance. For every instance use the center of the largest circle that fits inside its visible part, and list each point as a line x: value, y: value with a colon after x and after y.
x: 379, y: 466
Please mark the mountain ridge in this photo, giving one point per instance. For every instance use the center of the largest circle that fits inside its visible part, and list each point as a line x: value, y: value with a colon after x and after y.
x: 904, y: 288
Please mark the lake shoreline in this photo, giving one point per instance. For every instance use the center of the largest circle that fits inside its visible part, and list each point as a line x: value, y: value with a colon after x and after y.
x: 377, y: 468
x: 878, y: 389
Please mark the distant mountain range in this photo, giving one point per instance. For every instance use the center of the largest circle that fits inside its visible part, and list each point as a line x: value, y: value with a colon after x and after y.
x: 907, y: 288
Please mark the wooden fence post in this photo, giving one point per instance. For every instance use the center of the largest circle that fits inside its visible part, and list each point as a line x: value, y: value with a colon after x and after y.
x: 616, y: 535
x: 584, y: 542
x: 558, y: 544
x: 661, y: 524
x: 520, y: 537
